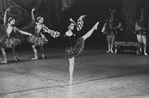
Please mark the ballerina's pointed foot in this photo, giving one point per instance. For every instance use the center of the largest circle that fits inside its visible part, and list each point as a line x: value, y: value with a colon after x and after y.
x: 17, y: 59
x: 145, y: 54
x: 43, y: 56
x: 96, y: 26
x: 35, y: 58
x: 112, y: 51
x: 108, y: 51
x: 4, y: 62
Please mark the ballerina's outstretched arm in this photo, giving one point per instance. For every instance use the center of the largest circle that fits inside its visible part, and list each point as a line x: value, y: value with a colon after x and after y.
x: 25, y: 33
x: 22, y: 32
x: 32, y: 15
x: 53, y: 33
x: 80, y: 22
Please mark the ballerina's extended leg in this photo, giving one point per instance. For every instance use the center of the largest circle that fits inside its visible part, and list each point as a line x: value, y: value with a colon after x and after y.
x: 89, y: 33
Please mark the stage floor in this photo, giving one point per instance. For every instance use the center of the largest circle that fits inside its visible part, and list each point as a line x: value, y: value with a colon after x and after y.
x: 96, y: 75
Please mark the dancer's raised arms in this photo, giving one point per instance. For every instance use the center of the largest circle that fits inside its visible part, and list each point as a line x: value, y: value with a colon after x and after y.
x: 5, y: 16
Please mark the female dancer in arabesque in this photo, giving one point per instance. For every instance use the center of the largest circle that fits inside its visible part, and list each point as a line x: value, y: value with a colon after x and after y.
x: 75, y: 44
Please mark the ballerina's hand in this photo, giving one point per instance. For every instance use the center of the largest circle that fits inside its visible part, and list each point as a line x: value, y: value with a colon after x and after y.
x: 8, y: 9
x: 71, y: 20
x: 33, y: 9
x: 57, y: 35
x: 82, y: 16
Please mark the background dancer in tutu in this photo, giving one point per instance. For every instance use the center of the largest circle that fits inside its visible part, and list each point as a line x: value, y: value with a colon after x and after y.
x: 38, y: 39
x: 141, y: 29
x: 110, y: 29
x: 75, y: 44
x: 8, y: 37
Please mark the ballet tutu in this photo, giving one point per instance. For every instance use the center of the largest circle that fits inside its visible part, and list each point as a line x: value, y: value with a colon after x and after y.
x: 76, y: 49
x: 37, y: 40
x: 6, y: 42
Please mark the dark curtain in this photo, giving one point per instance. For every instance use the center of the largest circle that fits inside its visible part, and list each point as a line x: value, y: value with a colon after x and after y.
x: 67, y: 4
x: 129, y: 13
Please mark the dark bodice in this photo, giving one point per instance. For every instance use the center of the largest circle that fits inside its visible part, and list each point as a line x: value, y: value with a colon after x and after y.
x: 143, y: 23
x: 36, y: 31
x: 70, y: 40
x: 112, y: 24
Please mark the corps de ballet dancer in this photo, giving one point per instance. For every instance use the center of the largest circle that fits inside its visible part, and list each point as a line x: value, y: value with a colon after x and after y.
x: 74, y: 43
x: 38, y: 39
x: 8, y: 37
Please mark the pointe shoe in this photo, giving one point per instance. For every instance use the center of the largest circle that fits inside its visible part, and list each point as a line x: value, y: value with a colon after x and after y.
x: 112, y: 51
x: 145, y: 54
x: 43, y: 56
x: 4, y: 62
x: 108, y: 51
x: 96, y: 26
x: 35, y: 58
x: 16, y: 59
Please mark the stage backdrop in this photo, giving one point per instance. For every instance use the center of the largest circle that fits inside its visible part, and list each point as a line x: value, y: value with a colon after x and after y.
x: 51, y: 10
x: 67, y: 4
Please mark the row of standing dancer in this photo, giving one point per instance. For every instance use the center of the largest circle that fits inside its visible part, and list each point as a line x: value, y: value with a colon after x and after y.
x: 112, y: 26
x: 74, y: 46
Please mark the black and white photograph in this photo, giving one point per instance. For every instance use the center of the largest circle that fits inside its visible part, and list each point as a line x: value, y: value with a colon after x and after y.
x: 74, y: 48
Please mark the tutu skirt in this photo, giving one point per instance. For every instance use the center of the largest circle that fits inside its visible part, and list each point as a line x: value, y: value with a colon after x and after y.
x: 76, y: 49
x: 6, y: 42
x: 38, y: 40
